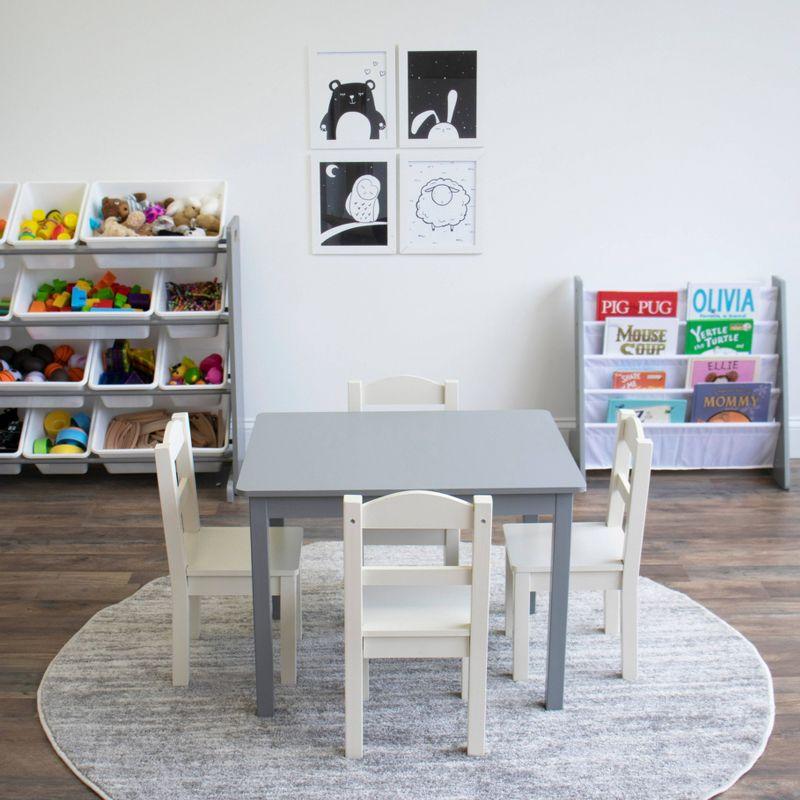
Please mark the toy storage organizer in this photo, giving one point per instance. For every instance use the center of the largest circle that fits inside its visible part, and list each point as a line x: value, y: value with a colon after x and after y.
x: 170, y: 334
x: 684, y: 445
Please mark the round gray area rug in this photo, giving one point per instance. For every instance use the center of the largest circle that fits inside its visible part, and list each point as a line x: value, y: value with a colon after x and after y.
x: 697, y: 718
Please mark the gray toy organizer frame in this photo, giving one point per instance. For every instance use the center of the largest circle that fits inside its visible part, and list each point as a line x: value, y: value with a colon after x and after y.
x: 227, y: 248
x: 698, y: 450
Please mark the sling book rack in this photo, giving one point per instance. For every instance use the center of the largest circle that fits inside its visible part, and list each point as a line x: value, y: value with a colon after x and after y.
x: 685, y: 445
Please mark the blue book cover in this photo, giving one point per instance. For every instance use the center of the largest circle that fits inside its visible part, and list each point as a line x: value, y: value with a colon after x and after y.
x: 731, y: 402
x: 649, y: 411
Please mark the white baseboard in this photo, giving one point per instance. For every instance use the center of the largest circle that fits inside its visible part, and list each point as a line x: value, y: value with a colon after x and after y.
x: 566, y: 424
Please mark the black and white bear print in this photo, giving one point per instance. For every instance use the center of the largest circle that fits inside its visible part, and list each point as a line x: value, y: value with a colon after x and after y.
x: 349, y: 98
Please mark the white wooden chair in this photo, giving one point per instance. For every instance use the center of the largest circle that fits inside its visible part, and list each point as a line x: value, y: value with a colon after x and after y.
x: 416, y: 611
x: 605, y: 556
x: 215, y: 561
x: 408, y: 390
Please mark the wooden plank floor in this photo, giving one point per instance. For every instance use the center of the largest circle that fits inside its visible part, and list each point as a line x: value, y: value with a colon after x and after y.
x: 71, y: 545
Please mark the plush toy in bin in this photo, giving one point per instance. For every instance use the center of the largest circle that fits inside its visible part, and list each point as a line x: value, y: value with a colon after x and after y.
x: 123, y: 364
x: 107, y: 294
x: 41, y: 363
x: 51, y: 226
x: 137, y: 215
x: 65, y: 434
x: 187, y: 373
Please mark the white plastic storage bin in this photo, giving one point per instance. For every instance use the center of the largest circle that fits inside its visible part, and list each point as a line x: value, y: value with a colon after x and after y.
x: 9, y: 193
x: 57, y: 463
x: 8, y: 287
x: 47, y: 196
x: 145, y: 458
x: 207, y: 321
x: 765, y: 338
x: 768, y: 306
x: 173, y: 350
x: 58, y: 395
x: 137, y: 322
x: 14, y: 469
x: 123, y: 395
x: 732, y: 445
x: 181, y: 248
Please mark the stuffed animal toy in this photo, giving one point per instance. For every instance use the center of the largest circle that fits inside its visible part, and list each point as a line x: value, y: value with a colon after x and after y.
x: 116, y: 208
x: 186, y: 215
x: 135, y: 221
x: 209, y: 223
x: 113, y: 227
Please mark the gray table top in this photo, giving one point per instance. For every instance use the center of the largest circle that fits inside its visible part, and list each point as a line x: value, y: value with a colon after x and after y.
x: 376, y: 452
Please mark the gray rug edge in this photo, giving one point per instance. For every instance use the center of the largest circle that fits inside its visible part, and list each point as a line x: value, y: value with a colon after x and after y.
x: 714, y: 793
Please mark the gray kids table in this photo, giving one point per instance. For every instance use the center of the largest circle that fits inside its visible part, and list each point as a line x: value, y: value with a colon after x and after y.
x: 302, y: 464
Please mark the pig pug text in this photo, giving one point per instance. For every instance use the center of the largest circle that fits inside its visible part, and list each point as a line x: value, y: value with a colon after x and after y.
x: 635, y: 341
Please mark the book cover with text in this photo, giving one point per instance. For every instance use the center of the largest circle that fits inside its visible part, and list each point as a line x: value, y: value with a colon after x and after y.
x: 731, y: 402
x: 743, y: 369
x: 725, y: 336
x: 636, y: 304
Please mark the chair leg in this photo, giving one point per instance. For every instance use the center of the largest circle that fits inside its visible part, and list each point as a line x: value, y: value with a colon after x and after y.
x: 630, y: 614
x: 366, y: 679
x: 509, y: 598
x: 354, y: 699
x: 476, y: 704
x: 522, y: 592
x: 611, y: 606
x: 180, y: 635
x: 451, y: 540
x: 276, y: 608
x: 464, y: 678
x: 194, y: 617
x: 289, y: 631
x: 299, y: 610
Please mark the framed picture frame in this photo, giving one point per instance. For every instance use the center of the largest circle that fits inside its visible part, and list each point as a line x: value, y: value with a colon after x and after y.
x: 351, y: 97
x: 439, y: 98
x: 353, y: 209
x: 439, y: 193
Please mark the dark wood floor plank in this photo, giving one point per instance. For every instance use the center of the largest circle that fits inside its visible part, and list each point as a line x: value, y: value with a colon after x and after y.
x: 70, y: 546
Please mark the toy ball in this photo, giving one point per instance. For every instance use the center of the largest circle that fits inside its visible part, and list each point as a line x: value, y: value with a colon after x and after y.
x: 20, y: 356
x: 35, y: 377
x: 192, y: 375
x: 6, y: 376
x: 7, y: 353
x: 51, y: 368
x: 4, y: 365
x: 75, y: 374
x: 44, y: 352
x: 214, y: 375
x: 77, y: 361
x: 32, y: 364
x: 62, y: 353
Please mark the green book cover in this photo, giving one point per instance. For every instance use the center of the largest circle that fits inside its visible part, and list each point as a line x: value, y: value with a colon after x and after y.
x: 719, y: 336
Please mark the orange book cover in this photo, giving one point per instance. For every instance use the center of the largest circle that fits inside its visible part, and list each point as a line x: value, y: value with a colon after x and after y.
x: 639, y: 380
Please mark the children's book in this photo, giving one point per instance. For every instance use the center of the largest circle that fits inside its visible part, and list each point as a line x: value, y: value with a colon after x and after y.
x: 743, y: 369
x: 632, y: 379
x: 637, y: 304
x: 648, y: 410
x: 641, y: 336
x: 723, y: 300
x: 731, y: 402
x: 725, y: 336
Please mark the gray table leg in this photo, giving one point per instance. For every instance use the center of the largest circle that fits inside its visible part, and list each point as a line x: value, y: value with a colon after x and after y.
x: 559, y: 602
x: 532, y: 602
x: 262, y: 623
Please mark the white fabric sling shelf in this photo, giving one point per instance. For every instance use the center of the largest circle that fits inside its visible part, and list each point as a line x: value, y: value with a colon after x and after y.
x: 686, y: 445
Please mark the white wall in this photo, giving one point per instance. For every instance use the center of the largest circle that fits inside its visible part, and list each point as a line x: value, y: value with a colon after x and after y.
x: 643, y: 140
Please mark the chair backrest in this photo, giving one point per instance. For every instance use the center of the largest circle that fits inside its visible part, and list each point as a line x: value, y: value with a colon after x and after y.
x: 177, y: 490
x: 402, y: 390
x: 420, y: 511
x: 630, y: 485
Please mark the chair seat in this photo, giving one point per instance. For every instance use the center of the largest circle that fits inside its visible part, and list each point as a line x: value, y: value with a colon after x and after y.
x: 416, y: 611
x: 595, y: 547
x: 215, y: 552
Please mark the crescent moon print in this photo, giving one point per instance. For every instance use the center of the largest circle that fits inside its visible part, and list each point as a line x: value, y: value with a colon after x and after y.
x: 442, y: 95
x: 353, y: 203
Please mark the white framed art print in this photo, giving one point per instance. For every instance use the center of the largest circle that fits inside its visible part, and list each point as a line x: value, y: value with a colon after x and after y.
x: 439, y: 193
x: 353, y: 202
x: 351, y: 97
x: 439, y: 98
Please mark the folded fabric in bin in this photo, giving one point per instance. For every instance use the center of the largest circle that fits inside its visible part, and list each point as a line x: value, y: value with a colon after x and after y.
x: 145, y: 429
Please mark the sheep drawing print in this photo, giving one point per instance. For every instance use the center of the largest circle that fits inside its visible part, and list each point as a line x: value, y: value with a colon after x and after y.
x: 439, y: 95
x: 438, y: 205
x: 353, y: 205
x: 351, y: 98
